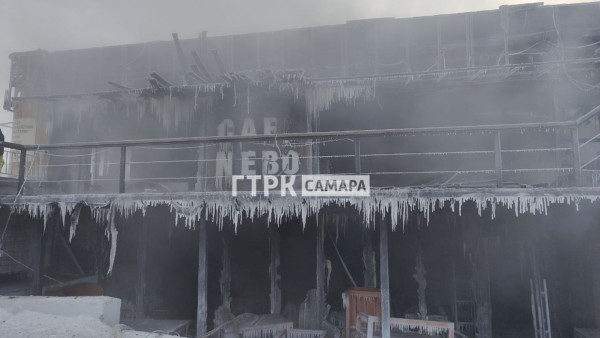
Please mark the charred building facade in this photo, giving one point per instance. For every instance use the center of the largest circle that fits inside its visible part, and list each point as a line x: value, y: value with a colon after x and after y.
x: 478, y: 132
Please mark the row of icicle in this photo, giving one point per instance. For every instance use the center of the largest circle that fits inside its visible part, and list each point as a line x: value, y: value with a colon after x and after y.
x: 218, y: 207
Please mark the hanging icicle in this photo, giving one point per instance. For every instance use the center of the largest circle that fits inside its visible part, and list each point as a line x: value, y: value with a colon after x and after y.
x: 321, y: 95
x: 399, y: 203
x: 220, y: 206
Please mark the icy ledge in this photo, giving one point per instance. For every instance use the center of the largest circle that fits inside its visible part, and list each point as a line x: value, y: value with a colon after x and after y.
x: 221, y: 205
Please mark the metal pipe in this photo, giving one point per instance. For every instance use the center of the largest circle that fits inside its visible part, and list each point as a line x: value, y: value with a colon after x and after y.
x: 11, y: 145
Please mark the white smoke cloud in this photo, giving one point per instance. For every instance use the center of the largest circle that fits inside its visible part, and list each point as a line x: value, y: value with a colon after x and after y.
x: 70, y: 24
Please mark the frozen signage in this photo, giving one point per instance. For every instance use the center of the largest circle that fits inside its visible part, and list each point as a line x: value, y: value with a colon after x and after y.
x: 254, y: 162
x: 312, y: 185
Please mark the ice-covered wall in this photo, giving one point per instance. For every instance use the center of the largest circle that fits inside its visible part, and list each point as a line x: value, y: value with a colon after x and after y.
x: 175, y: 108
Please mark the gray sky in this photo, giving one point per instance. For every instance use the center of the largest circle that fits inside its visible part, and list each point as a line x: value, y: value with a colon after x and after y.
x: 70, y: 24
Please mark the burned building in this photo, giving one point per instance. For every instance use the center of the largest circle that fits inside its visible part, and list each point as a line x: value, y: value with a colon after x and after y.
x: 478, y: 133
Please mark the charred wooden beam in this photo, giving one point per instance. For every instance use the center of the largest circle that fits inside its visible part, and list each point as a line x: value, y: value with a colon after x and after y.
x: 195, y: 76
x: 227, y: 79
x: 160, y: 79
x: 180, y: 54
x: 201, y: 66
x: 197, y: 72
x: 114, y: 84
x: 153, y: 83
x: 219, y: 62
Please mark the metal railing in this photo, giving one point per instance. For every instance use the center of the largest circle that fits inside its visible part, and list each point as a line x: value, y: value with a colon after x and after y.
x: 357, y: 151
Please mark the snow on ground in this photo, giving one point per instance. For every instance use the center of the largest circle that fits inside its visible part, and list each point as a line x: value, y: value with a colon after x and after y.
x: 28, y: 324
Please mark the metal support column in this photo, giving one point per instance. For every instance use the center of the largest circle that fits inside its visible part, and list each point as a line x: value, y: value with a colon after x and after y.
x: 498, y: 158
x: 202, y: 311
x: 122, y: 165
x: 385, y: 277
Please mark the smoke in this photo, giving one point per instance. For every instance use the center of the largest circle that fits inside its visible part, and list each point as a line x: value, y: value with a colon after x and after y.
x: 56, y: 25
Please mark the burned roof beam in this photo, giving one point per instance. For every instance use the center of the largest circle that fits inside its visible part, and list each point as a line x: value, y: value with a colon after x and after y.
x: 180, y: 55
x: 195, y: 76
x: 197, y: 72
x: 219, y: 62
x: 201, y: 66
x: 161, y: 80
x: 153, y: 83
x: 227, y: 78
x: 114, y: 84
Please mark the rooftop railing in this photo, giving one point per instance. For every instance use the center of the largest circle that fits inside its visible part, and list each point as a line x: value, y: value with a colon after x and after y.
x: 481, y: 157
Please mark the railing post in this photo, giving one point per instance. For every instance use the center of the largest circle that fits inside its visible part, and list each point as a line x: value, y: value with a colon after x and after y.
x: 357, y: 168
x: 122, y: 164
x: 236, y: 167
x: 384, y: 276
x: 22, y: 163
x: 576, y: 155
x: 498, y: 158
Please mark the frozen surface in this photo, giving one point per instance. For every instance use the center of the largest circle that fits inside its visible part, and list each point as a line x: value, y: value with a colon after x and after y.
x: 20, y: 319
x: 105, y: 309
x: 34, y: 324
x: 40, y: 325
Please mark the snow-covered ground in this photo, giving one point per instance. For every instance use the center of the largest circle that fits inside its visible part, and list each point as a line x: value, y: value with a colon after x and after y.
x: 28, y: 324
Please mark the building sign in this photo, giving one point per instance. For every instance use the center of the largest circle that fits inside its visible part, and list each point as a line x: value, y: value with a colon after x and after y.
x: 253, y: 161
x: 24, y: 131
x: 269, y: 114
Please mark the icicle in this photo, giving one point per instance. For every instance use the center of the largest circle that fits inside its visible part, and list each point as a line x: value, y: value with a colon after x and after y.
x: 321, y: 95
x: 74, y: 221
x: 218, y: 206
x: 113, y: 238
x: 48, y: 210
